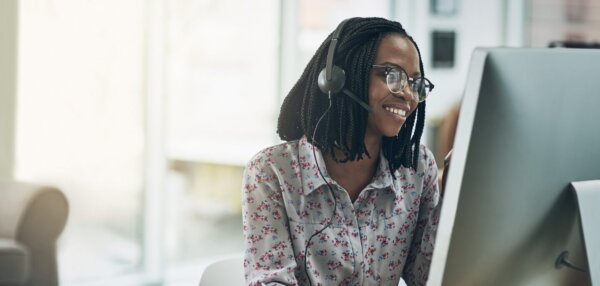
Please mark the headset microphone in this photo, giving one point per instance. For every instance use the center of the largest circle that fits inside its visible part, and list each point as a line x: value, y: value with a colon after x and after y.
x: 332, y: 78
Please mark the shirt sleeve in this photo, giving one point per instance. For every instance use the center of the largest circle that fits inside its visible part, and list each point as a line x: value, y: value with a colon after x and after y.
x: 416, y: 269
x: 269, y: 257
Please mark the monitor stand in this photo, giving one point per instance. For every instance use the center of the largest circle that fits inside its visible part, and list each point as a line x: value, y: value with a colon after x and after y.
x: 587, y: 194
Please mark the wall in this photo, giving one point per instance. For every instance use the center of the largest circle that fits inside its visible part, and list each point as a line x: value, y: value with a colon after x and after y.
x: 8, y: 71
x: 477, y: 23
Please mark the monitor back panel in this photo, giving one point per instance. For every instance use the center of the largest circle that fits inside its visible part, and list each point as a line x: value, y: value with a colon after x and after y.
x: 534, y: 129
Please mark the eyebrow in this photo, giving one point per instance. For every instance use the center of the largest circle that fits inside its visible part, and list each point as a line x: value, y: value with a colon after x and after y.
x: 417, y: 74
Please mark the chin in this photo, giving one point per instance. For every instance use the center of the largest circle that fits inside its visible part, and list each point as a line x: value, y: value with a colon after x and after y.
x: 391, y: 132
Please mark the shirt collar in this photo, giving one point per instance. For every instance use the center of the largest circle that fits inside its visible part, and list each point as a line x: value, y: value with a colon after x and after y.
x: 311, y: 179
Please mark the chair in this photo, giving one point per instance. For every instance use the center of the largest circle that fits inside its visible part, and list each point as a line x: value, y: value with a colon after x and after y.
x: 31, y: 219
x: 228, y: 271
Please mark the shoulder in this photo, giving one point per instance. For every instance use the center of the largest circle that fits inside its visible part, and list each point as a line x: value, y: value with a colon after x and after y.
x: 273, y: 156
x: 426, y: 159
x: 426, y: 170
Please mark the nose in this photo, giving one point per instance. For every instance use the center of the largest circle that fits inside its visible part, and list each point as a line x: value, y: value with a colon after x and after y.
x: 406, y: 93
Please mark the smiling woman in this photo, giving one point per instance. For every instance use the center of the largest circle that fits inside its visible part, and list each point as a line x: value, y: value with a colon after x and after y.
x: 352, y: 197
x: 393, y: 91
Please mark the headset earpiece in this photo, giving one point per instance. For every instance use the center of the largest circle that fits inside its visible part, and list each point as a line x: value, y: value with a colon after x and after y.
x: 332, y: 78
x: 335, y: 82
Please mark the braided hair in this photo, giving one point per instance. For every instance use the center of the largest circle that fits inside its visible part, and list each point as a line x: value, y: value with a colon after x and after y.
x: 345, y: 125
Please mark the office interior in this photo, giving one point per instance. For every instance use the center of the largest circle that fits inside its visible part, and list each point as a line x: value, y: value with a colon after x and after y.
x: 143, y: 113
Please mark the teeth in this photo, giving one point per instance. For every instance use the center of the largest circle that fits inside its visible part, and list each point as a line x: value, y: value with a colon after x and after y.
x: 396, y: 111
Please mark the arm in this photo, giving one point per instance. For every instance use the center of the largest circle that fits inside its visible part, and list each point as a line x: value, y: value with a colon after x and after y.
x: 416, y: 269
x: 269, y: 257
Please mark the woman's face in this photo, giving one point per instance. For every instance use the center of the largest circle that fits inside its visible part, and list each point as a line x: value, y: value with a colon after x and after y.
x: 389, y: 110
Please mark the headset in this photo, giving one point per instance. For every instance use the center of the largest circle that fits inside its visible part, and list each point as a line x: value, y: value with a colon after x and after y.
x: 332, y: 78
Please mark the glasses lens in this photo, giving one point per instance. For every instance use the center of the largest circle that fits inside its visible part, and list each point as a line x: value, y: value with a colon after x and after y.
x: 421, y: 88
x: 396, y: 80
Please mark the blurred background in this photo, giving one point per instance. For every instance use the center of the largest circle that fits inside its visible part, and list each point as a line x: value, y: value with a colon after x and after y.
x: 144, y: 113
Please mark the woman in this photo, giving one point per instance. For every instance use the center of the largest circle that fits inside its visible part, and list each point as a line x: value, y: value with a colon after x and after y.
x: 351, y: 197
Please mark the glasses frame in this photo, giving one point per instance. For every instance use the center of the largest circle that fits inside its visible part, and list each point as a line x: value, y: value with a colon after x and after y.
x: 411, y: 81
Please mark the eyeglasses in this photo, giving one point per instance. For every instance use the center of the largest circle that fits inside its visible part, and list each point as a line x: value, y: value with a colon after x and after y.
x: 397, y: 79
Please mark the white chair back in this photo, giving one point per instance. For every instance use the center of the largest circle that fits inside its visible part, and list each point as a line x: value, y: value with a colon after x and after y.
x: 228, y: 271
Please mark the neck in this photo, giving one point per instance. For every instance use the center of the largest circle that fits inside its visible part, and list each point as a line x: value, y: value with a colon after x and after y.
x: 355, y: 175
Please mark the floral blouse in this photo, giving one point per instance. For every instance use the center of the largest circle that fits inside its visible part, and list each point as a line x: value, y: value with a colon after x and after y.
x: 386, y: 234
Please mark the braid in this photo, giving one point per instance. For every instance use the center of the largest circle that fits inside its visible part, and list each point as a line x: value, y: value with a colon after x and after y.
x: 346, y: 124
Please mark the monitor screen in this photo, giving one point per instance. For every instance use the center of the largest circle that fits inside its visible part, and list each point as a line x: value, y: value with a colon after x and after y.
x: 529, y: 125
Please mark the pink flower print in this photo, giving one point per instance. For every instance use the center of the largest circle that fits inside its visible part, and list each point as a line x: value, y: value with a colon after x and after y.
x: 322, y: 252
x: 303, y: 214
x: 383, y: 239
x: 300, y: 257
x: 343, y: 232
x: 366, y: 213
x: 372, y: 198
x: 313, y: 205
x: 275, y: 196
x: 339, y: 218
x: 332, y: 277
x: 267, y: 229
x: 262, y: 206
x: 250, y: 187
x: 294, y: 164
x: 370, y: 261
x: 370, y: 251
x: 412, y: 214
x: 325, y: 220
x: 256, y: 217
x: 340, y: 243
x: 268, y: 256
x: 254, y: 238
x: 276, y: 215
x: 347, y: 255
x: 404, y: 227
x: 323, y: 237
x: 299, y: 229
x: 336, y: 242
x: 397, y: 240
x: 333, y: 265
x: 390, y: 225
x: 303, y: 163
x: 394, y: 264
x: 383, y: 256
x: 428, y: 179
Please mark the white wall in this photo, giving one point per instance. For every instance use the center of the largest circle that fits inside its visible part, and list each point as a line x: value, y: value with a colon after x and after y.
x: 8, y: 68
x: 477, y: 23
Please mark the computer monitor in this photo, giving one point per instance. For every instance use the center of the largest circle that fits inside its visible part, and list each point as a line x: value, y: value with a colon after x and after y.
x: 529, y: 125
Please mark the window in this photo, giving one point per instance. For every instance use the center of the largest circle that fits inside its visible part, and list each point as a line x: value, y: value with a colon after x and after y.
x: 80, y: 126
